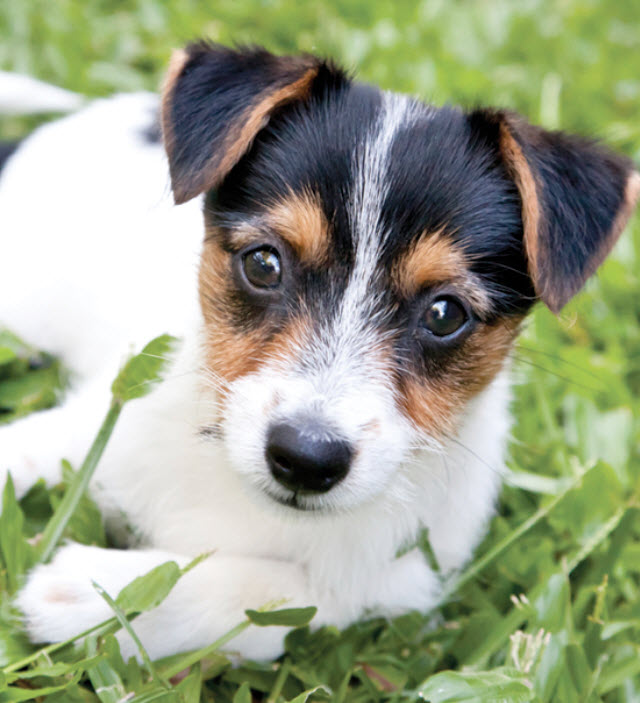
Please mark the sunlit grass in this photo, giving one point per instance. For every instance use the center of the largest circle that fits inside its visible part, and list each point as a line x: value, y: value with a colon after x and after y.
x: 575, y: 572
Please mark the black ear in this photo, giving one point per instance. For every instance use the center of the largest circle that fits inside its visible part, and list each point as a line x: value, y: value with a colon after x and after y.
x: 577, y: 197
x: 216, y: 100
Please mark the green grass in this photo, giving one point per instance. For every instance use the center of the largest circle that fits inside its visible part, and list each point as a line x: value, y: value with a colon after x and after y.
x: 573, y: 567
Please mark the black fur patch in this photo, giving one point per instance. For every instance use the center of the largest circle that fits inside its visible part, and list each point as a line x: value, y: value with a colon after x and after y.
x: 215, y: 91
x: 152, y: 134
x: 6, y: 149
x: 444, y: 176
x: 581, y: 189
x: 445, y: 172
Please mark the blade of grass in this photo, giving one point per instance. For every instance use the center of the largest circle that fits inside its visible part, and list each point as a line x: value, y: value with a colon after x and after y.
x: 596, y: 539
x: 135, y: 379
x: 283, y: 672
x: 480, y: 564
x: 60, y: 519
x: 105, y: 627
x: 191, y: 658
x: 124, y: 622
x: 104, y: 679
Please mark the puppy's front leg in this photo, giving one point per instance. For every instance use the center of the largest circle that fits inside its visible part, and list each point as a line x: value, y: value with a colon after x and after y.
x: 33, y: 447
x: 59, y: 600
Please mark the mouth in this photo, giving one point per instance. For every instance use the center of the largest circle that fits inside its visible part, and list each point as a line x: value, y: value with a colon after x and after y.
x: 293, y: 501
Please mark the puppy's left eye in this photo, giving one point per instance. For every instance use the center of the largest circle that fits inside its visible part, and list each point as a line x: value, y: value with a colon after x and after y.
x: 262, y: 267
x: 445, y: 316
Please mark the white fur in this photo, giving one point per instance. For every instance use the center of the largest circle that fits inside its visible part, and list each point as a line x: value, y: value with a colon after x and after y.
x: 20, y: 95
x: 94, y: 260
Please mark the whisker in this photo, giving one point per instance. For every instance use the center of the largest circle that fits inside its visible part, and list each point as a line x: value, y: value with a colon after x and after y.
x: 556, y: 357
x: 460, y: 444
x: 566, y: 379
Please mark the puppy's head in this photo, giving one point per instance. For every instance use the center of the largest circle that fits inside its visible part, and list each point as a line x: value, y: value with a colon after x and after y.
x: 368, y: 259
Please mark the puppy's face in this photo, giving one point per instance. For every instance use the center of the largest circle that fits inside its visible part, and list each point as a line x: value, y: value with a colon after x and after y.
x: 368, y: 260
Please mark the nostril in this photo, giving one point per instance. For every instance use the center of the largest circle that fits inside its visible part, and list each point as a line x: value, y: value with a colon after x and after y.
x: 305, y: 458
x: 282, y: 461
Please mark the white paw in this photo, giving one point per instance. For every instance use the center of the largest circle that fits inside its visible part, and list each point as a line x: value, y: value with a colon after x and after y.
x: 59, y: 601
x: 409, y: 584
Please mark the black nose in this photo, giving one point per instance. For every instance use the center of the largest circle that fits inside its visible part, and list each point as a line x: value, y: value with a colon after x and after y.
x: 304, y: 458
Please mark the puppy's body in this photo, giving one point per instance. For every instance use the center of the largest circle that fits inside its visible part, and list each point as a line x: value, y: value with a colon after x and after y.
x: 175, y: 486
x: 374, y: 204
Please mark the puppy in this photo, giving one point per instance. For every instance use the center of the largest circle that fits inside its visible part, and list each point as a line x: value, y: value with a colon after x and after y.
x: 347, y: 312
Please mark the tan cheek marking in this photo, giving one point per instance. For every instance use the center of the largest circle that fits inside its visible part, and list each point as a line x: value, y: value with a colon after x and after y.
x: 231, y: 352
x: 433, y: 405
x: 228, y: 354
x: 521, y: 173
x: 300, y: 220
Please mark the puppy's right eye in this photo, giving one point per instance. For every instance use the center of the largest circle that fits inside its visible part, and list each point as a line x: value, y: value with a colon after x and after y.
x: 262, y: 267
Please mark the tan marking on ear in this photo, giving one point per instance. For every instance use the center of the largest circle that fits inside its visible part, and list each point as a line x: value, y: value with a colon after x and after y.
x: 300, y: 220
x: 555, y: 301
x: 435, y: 259
x: 435, y: 405
x: 243, y: 129
x: 524, y: 178
x: 253, y: 120
x: 177, y: 62
x: 628, y: 205
x: 631, y: 198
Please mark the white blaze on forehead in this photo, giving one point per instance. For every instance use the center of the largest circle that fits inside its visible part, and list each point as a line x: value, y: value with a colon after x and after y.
x: 340, y: 382
x: 340, y: 356
x: 370, y: 163
x: 370, y: 188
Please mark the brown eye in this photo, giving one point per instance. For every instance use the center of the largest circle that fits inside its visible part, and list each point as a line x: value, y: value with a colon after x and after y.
x: 445, y: 316
x: 262, y: 267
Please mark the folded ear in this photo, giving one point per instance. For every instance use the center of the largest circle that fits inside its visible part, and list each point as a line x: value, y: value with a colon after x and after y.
x: 216, y: 100
x: 577, y: 197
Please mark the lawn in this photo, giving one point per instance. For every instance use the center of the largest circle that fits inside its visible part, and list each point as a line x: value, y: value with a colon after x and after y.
x: 550, y: 608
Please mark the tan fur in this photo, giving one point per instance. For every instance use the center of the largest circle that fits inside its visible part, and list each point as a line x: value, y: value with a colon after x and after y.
x: 226, y: 155
x: 179, y: 58
x: 228, y: 354
x: 433, y: 260
x: 300, y: 220
x: 238, y: 141
x: 521, y: 173
x: 629, y: 202
x: 434, y: 405
x: 532, y: 220
x: 231, y: 352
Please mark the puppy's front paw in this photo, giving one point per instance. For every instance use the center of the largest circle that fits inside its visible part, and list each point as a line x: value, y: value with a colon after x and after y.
x: 58, y: 600
x: 409, y: 584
